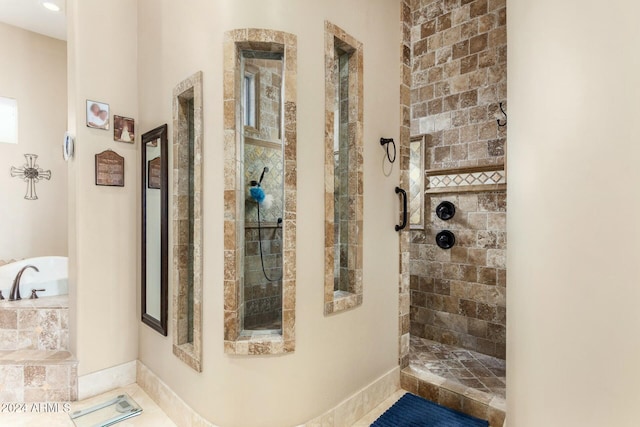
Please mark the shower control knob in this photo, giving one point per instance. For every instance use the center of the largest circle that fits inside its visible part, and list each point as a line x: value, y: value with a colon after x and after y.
x: 445, y: 239
x: 445, y: 211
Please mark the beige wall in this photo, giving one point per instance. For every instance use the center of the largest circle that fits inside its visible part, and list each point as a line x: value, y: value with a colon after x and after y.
x: 34, y: 71
x: 574, y: 284
x: 103, y: 221
x: 335, y: 355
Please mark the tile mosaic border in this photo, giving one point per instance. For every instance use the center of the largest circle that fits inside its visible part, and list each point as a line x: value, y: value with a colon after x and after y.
x: 235, y: 341
x: 336, y: 36
x: 469, y: 179
x: 189, y: 352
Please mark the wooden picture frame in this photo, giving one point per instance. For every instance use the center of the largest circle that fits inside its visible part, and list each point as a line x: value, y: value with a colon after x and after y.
x: 109, y: 170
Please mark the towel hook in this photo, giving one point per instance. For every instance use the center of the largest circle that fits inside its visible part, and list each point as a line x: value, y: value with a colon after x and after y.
x: 505, y: 117
x: 386, y: 142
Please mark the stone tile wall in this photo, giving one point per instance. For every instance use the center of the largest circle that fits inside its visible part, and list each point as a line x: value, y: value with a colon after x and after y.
x: 268, y: 95
x: 458, y: 296
x: 458, y: 63
x: 459, y: 75
x: 35, y: 364
x: 263, y: 298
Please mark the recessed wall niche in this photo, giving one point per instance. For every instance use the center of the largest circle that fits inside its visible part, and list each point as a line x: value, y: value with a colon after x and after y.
x: 187, y: 221
x: 246, y: 125
x: 343, y: 170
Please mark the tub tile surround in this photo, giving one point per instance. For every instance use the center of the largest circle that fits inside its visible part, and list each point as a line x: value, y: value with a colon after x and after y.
x: 38, y: 376
x: 35, y: 364
x: 236, y: 340
x: 38, y: 324
x: 337, y: 38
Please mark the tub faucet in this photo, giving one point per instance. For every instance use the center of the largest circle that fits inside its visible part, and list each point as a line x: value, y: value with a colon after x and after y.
x: 14, y: 294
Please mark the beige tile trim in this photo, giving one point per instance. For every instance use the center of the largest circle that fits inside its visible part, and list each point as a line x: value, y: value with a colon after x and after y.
x: 344, y: 414
x: 335, y: 36
x: 98, y: 382
x: 235, y: 342
x: 189, y: 352
x: 175, y: 408
x: 360, y: 403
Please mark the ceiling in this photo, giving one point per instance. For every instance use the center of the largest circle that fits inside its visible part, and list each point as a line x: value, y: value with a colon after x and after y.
x: 32, y: 16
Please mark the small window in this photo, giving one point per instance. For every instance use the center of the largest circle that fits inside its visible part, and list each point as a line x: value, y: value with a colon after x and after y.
x: 8, y: 120
x: 250, y: 100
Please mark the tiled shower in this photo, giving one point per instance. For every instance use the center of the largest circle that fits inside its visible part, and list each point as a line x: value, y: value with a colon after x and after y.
x: 458, y: 295
x: 262, y: 291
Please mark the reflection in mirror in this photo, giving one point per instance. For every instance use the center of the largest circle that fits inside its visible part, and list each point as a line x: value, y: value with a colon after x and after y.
x: 154, y: 229
x: 264, y: 179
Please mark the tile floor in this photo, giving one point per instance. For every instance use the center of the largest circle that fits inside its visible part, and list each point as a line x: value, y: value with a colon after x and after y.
x: 152, y: 415
x: 472, y: 369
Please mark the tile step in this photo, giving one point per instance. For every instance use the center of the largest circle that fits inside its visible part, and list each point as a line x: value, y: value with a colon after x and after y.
x: 37, y: 357
x: 454, y: 395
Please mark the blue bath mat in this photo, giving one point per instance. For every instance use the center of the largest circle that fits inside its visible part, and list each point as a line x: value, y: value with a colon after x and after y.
x: 413, y: 411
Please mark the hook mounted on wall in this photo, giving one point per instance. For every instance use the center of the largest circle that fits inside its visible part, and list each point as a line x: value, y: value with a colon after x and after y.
x: 504, y: 123
x: 386, y: 142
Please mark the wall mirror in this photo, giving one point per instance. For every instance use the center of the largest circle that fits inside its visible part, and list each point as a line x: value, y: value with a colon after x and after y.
x: 155, y: 180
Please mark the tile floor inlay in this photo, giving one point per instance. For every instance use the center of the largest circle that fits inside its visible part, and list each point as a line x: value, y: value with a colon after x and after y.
x: 470, y: 368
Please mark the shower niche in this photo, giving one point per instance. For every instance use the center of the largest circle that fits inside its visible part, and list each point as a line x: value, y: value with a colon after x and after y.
x: 260, y: 191
x: 343, y: 170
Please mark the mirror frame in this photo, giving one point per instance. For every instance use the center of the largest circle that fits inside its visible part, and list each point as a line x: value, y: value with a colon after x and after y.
x: 159, y: 325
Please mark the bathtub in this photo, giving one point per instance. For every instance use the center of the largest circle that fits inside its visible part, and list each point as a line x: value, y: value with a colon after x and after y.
x: 53, y: 276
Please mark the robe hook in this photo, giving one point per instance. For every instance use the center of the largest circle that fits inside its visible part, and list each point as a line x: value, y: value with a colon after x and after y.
x: 502, y: 124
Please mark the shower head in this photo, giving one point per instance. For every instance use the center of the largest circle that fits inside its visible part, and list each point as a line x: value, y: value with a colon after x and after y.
x: 265, y: 170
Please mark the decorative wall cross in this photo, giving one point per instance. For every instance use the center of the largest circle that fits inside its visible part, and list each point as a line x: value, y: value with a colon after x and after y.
x: 31, y: 173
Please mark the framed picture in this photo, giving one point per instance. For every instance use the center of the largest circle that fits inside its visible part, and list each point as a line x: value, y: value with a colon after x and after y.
x: 123, y: 129
x: 109, y: 169
x: 97, y: 115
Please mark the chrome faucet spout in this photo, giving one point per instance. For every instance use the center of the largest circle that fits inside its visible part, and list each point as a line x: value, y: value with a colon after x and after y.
x: 14, y: 294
